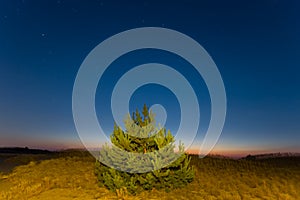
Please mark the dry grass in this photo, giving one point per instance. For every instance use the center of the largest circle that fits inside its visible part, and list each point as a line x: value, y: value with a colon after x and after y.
x: 71, y: 176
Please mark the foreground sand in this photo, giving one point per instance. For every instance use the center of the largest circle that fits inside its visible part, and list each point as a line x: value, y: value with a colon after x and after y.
x: 70, y: 176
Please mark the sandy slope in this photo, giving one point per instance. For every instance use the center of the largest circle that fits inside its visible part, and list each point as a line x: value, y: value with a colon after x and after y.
x: 71, y: 176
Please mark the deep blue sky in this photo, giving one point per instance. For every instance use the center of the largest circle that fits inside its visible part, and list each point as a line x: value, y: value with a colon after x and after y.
x: 255, y: 44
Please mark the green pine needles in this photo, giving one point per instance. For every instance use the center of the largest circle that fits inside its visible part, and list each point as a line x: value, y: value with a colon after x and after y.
x: 142, y: 157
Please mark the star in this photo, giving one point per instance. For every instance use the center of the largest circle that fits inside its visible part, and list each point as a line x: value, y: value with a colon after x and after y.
x: 74, y: 10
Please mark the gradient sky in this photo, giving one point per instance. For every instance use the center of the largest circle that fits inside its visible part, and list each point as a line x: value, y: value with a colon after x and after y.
x: 255, y: 44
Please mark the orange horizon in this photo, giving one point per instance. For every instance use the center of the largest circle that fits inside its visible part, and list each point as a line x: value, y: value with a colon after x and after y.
x: 219, y: 149
x: 235, y: 153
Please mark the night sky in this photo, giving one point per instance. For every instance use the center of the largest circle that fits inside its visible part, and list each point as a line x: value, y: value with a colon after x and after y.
x: 255, y: 44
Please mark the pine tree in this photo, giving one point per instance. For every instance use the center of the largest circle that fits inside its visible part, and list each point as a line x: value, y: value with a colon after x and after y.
x: 142, y: 157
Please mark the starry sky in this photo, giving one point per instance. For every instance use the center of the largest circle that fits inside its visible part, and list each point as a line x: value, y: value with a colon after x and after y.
x: 255, y: 44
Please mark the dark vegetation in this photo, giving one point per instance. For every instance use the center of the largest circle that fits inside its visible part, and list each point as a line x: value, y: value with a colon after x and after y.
x: 153, y: 164
x: 20, y: 150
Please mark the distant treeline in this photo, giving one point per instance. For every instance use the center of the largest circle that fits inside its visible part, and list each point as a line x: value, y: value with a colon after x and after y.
x: 25, y: 150
x: 271, y: 155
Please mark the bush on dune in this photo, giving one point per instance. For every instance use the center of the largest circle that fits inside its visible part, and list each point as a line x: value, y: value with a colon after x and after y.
x: 153, y: 162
